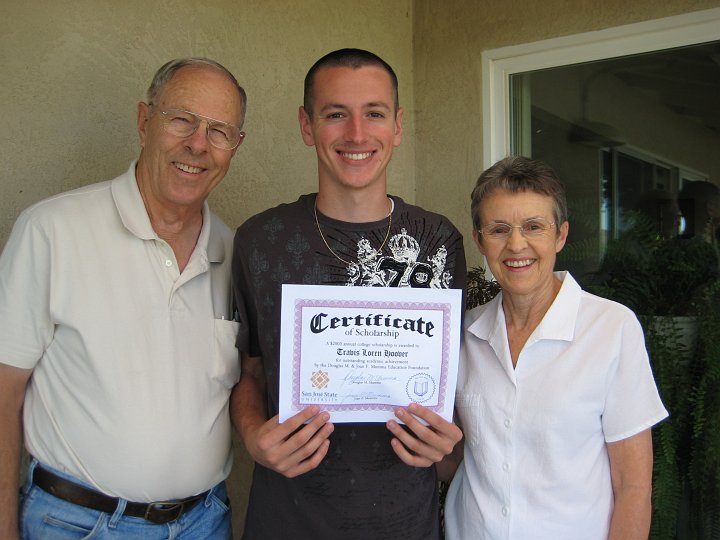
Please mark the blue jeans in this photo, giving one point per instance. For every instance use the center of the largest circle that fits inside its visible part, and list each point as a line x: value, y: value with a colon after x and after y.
x: 43, y: 516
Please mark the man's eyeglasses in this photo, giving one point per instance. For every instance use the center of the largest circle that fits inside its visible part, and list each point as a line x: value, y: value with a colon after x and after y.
x: 531, y: 228
x: 182, y: 123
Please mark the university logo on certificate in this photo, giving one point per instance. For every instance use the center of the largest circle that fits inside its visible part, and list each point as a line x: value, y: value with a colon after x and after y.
x: 361, y: 352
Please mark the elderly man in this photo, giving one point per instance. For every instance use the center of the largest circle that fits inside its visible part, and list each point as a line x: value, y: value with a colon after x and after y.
x: 116, y: 334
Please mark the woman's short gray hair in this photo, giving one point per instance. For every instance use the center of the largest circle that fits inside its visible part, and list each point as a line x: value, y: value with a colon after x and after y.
x: 516, y: 174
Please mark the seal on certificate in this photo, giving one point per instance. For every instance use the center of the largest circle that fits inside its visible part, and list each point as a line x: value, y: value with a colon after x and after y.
x: 420, y: 387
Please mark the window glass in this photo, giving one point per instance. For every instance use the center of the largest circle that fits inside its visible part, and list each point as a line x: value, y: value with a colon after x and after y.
x: 625, y: 135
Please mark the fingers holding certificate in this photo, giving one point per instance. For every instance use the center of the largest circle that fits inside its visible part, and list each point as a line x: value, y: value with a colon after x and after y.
x: 291, y: 448
x: 428, y: 440
x: 360, y: 353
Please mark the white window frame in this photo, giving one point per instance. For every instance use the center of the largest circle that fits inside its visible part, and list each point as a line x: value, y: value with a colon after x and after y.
x: 499, y: 64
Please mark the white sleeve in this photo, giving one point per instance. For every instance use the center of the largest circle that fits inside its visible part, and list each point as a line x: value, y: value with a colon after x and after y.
x: 633, y: 403
x: 25, y: 325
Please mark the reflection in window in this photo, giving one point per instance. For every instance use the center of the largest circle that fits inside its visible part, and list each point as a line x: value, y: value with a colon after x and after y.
x: 624, y: 135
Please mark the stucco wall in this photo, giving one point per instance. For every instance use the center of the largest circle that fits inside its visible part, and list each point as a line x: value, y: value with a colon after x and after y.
x: 450, y: 37
x: 73, y: 71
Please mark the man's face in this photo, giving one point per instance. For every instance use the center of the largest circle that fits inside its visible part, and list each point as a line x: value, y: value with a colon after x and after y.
x: 177, y: 171
x: 353, y: 126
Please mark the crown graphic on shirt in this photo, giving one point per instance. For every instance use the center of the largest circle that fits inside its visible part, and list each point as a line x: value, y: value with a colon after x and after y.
x: 404, y: 246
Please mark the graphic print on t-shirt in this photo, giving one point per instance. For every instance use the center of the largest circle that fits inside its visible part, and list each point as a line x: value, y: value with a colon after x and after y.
x: 402, y: 269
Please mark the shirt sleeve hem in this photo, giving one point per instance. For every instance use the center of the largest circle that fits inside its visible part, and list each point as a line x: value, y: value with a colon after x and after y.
x: 610, y: 438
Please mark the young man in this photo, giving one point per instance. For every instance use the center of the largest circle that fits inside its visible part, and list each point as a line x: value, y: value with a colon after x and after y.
x: 115, y: 298
x: 319, y: 480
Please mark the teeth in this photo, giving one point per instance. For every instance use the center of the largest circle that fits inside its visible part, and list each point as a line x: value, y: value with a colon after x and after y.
x: 519, y: 264
x: 357, y: 157
x: 188, y: 168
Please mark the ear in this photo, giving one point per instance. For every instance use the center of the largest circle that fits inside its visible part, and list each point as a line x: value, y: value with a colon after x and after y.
x: 143, y: 115
x: 478, y: 242
x: 562, y: 236
x: 306, y: 127
x: 398, y: 127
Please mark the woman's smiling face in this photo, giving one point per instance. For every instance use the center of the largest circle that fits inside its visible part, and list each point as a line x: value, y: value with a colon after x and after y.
x: 522, y: 265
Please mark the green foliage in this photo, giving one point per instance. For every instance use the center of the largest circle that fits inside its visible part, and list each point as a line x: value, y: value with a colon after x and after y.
x: 651, y: 275
x: 670, y: 360
x: 579, y: 250
x: 479, y: 290
x: 704, y: 463
x: 686, y: 476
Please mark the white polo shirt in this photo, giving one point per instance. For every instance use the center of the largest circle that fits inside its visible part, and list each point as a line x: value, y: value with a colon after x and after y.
x: 536, y: 464
x: 133, y: 362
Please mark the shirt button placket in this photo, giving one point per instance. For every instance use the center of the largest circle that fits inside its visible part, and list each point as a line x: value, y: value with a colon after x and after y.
x: 505, y: 509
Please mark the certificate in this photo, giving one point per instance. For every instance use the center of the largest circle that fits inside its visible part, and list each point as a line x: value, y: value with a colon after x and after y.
x: 361, y: 352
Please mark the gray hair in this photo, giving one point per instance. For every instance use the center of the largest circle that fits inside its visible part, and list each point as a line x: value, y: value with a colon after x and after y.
x: 167, y: 71
x: 516, y: 174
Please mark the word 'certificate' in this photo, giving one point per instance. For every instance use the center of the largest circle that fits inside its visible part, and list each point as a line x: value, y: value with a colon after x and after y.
x: 361, y: 352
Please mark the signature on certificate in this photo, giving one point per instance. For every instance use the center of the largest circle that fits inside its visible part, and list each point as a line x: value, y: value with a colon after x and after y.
x: 357, y: 377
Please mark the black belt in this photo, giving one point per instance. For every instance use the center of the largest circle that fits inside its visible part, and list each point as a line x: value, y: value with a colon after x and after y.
x: 155, y: 512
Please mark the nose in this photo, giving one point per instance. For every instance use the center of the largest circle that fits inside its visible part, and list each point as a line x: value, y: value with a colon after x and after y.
x: 516, y: 241
x: 356, y: 129
x: 198, y: 141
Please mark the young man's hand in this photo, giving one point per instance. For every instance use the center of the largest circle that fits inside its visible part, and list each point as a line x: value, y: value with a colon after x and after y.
x: 291, y: 448
x: 424, y: 444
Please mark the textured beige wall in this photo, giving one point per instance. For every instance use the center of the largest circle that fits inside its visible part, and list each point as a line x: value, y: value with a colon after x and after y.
x: 449, y: 39
x: 72, y: 72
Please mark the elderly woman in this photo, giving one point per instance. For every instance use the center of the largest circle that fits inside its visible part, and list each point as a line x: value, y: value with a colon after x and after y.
x: 555, y: 393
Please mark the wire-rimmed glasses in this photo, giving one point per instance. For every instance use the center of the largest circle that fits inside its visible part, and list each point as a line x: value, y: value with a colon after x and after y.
x: 182, y: 123
x: 530, y: 228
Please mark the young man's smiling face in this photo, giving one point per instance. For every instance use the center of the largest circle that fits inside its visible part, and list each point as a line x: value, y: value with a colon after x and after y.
x: 354, y: 126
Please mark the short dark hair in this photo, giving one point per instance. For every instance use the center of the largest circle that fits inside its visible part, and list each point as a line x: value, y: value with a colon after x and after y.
x: 350, y: 58
x: 168, y: 70
x: 516, y: 174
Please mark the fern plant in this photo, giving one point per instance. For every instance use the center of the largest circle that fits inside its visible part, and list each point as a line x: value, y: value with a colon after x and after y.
x: 704, y: 462
x: 670, y: 362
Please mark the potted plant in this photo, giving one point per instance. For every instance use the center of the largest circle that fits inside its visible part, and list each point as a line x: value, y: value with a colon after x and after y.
x: 479, y: 290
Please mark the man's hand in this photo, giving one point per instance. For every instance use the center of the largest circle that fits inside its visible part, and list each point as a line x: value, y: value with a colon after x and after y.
x: 291, y: 448
x: 427, y: 444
